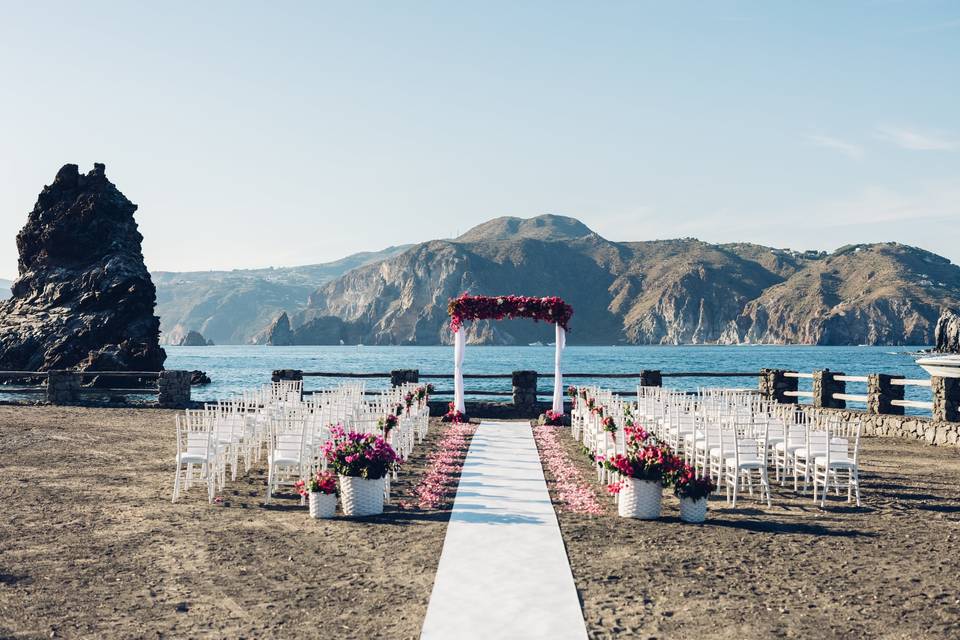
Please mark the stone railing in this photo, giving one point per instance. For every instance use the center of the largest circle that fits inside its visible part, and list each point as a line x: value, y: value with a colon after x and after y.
x: 66, y: 387
x: 884, y: 410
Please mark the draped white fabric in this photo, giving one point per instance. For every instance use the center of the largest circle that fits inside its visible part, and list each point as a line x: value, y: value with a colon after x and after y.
x: 557, y: 376
x: 458, y: 344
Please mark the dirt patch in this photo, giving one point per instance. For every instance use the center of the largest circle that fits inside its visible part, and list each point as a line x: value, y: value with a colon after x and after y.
x: 886, y: 570
x: 91, y: 546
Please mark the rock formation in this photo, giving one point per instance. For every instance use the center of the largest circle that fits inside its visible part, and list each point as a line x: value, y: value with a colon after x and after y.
x: 948, y: 333
x: 84, y: 298
x: 280, y: 334
x: 193, y: 339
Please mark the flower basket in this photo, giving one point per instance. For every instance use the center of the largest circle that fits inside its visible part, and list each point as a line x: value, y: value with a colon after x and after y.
x: 322, y: 505
x: 640, y: 499
x: 360, y: 496
x: 694, y: 511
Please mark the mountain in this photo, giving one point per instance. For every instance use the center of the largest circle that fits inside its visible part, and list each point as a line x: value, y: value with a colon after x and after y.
x: 654, y: 292
x: 5, y: 288
x: 231, y: 307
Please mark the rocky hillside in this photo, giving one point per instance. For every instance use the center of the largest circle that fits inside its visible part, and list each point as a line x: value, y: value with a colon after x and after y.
x: 84, y: 298
x: 656, y: 292
x: 232, y: 307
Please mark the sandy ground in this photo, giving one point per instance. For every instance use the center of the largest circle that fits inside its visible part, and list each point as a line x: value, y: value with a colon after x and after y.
x: 887, y: 570
x: 91, y: 546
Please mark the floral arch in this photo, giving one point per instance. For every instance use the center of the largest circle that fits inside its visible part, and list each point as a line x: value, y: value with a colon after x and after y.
x: 467, y: 308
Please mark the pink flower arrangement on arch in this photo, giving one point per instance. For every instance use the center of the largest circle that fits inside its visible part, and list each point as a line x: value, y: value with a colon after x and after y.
x: 548, y: 309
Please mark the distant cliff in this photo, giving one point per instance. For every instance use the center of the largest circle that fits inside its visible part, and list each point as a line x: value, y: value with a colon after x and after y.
x: 84, y: 298
x: 658, y: 292
x: 233, y: 307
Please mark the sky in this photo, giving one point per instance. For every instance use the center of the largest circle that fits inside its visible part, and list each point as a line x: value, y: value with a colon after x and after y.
x: 257, y: 134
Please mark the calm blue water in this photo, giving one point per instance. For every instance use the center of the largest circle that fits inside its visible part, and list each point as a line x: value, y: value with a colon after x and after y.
x: 233, y: 368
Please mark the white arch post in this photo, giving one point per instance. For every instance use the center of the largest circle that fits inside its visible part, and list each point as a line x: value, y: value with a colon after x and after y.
x: 458, y: 349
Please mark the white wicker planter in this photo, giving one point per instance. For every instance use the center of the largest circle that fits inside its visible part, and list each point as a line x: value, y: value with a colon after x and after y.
x: 361, y: 497
x: 322, y: 505
x: 640, y: 499
x: 693, y: 510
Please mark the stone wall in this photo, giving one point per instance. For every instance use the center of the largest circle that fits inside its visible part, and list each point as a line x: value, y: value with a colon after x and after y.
x: 774, y: 383
x: 63, y: 387
x: 174, y: 388
x: 936, y: 432
x: 525, y: 392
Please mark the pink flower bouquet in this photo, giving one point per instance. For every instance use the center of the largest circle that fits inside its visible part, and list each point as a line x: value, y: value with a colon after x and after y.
x: 360, y: 455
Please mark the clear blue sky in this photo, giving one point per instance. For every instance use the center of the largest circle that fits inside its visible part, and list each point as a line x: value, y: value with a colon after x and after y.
x: 256, y: 134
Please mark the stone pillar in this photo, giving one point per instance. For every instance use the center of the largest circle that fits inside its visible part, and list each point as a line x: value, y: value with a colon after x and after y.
x: 402, y: 376
x: 825, y: 385
x: 880, y: 394
x: 174, y: 388
x: 525, y: 391
x: 946, y: 398
x: 774, y: 383
x: 651, y: 378
x: 63, y: 387
x: 286, y: 374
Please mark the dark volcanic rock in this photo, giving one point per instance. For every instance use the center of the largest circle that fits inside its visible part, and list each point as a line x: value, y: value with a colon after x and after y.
x: 198, y: 377
x: 193, y: 339
x: 84, y: 298
x: 280, y: 334
x: 948, y: 332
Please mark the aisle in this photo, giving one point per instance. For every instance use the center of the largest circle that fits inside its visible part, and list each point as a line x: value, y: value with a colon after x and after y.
x: 503, y: 572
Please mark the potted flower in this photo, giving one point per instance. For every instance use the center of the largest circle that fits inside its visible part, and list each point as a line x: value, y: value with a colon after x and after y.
x: 551, y: 418
x: 362, y: 461
x: 693, y: 492
x: 321, y: 492
x: 644, y: 471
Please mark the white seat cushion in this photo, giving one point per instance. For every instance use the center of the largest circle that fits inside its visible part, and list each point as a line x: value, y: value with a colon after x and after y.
x: 285, y: 457
x: 191, y: 457
x: 838, y: 461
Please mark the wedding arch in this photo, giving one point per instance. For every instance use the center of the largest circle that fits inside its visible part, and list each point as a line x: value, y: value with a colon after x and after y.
x: 467, y: 308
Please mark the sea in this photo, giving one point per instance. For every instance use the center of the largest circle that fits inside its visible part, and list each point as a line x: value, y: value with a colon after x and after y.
x: 235, y: 368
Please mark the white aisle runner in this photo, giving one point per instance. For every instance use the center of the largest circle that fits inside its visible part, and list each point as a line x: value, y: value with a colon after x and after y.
x: 503, y: 571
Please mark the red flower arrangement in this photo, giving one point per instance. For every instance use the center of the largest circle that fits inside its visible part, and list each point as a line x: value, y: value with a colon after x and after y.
x: 454, y: 416
x: 322, y: 482
x: 653, y: 463
x: 551, y: 419
x: 609, y: 424
x: 360, y: 455
x: 686, y: 484
x: 572, y: 391
x: 387, y: 423
x: 467, y: 308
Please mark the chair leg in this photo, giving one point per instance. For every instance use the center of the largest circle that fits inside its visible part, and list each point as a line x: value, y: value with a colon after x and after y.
x: 856, y: 476
x: 269, y: 483
x: 765, y: 485
x: 736, y: 485
x: 176, y: 484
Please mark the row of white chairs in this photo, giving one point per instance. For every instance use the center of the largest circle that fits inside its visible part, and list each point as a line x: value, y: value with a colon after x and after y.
x: 731, y: 436
x: 289, y: 428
